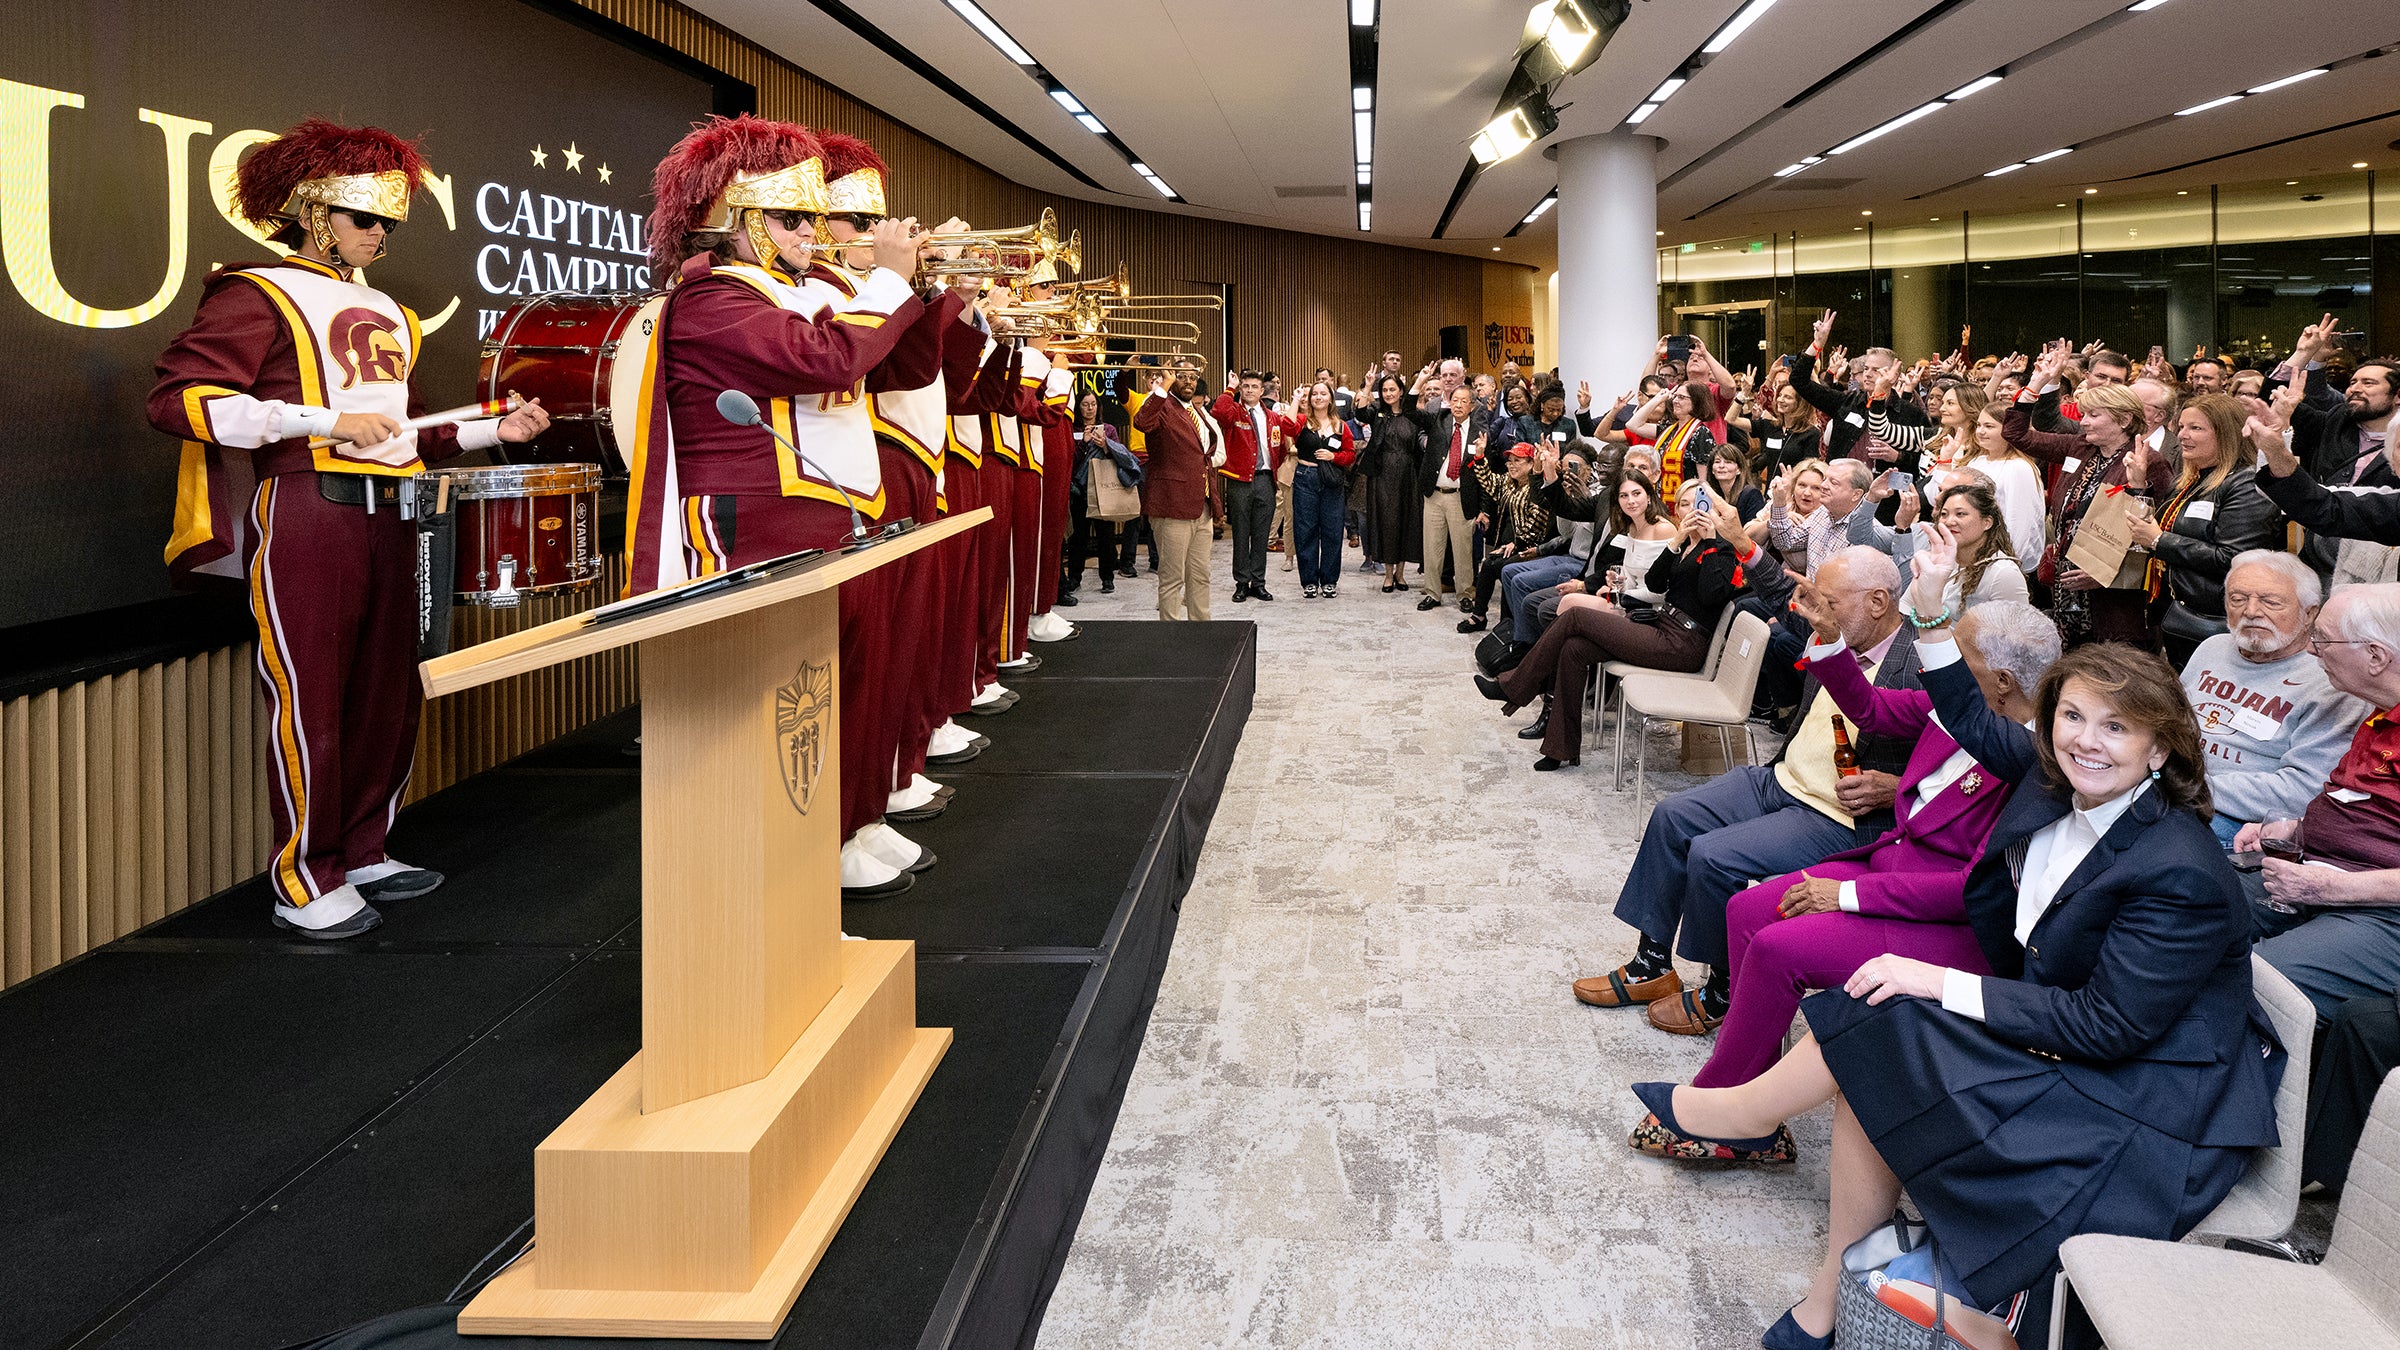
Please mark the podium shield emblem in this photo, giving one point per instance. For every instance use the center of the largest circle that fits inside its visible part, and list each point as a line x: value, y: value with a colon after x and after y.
x: 803, y: 724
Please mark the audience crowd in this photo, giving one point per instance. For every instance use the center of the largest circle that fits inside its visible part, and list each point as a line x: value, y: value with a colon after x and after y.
x: 2086, y: 674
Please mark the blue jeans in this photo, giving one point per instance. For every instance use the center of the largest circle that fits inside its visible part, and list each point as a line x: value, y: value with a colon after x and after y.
x: 1519, y: 580
x: 1317, y: 527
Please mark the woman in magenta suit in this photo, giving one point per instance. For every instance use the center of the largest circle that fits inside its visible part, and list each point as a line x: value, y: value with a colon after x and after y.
x: 1904, y: 893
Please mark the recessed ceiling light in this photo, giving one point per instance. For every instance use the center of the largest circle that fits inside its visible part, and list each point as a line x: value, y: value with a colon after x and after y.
x: 1866, y: 213
x: 2091, y: 192
x: 2048, y: 155
x: 2359, y: 165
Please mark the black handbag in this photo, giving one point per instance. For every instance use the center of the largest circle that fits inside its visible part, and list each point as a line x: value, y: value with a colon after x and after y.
x: 1491, y: 650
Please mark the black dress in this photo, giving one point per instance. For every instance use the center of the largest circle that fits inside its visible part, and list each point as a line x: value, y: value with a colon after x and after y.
x: 2119, y: 1079
x: 1395, y: 512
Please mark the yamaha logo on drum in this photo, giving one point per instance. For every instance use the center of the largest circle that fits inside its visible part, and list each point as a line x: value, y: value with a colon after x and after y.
x: 803, y: 725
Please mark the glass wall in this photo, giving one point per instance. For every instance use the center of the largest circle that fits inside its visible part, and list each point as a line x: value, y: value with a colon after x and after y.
x: 2238, y: 269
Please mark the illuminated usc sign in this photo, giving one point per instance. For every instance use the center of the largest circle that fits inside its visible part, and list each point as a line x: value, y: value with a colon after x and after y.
x: 25, y: 111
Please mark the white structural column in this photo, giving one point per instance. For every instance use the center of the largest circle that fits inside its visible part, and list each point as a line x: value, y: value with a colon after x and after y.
x: 1607, y: 259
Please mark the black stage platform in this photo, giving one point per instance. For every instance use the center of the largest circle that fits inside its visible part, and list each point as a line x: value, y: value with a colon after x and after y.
x: 213, y: 1136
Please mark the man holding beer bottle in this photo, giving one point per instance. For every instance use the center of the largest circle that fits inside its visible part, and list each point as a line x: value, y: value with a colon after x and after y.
x: 1707, y: 842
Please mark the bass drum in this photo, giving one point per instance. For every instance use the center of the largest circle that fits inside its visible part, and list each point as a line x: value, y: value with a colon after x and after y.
x: 572, y: 351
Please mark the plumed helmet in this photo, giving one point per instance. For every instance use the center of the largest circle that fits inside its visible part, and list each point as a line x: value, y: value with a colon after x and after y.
x: 855, y: 176
x: 319, y: 163
x: 724, y: 166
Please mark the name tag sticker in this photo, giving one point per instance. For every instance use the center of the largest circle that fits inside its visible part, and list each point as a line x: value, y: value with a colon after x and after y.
x: 1745, y: 647
x: 2256, y: 725
x: 1559, y: 436
x: 2200, y: 510
x: 2351, y: 796
x: 1854, y: 419
x: 2071, y: 465
x: 1774, y: 443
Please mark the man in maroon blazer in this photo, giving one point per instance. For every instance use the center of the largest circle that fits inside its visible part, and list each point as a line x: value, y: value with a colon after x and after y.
x: 1184, y: 448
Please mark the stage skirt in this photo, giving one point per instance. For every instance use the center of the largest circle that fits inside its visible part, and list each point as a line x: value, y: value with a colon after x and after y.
x: 2002, y: 1153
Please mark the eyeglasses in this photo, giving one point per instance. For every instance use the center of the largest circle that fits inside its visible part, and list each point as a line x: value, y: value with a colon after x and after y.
x: 2317, y: 639
x: 367, y: 220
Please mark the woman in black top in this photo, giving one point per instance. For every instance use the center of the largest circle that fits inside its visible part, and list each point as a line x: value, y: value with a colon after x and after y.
x: 1697, y: 578
x: 1095, y: 444
x: 2213, y: 513
x: 1395, y: 513
x: 1794, y: 435
x: 1729, y: 477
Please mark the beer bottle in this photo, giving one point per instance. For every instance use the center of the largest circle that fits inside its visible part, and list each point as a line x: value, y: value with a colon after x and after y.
x: 1845, y: 759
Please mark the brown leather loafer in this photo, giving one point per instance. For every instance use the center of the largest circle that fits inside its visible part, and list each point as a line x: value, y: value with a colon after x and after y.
x: 1614, y: 990
x: 1683, y: 1015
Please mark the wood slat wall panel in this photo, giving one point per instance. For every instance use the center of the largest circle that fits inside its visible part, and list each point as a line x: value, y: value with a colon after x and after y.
x: 126, y: 798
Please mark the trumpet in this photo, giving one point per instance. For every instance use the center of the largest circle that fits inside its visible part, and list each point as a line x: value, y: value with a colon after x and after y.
x: 1021, y: 252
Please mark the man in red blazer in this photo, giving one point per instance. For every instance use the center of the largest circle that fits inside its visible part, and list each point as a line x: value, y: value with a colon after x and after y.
x: 1183, y: 445
x: 1253, y: 448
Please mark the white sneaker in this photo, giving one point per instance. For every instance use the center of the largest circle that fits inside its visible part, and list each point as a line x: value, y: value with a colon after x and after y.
x: 991, y: 693
x: 889, y: 846
x: 920, y: 783
x: 948, y: 739
x: 1048, y: 627
x: 911, y: 797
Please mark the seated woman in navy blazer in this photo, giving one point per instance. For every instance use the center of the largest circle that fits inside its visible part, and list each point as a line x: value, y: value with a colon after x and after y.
x: 2108, y: 1077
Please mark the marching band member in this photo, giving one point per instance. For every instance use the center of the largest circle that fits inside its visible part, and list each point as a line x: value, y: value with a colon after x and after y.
x: 1019, y: 454
x: 734, y: 231
x: 289, y: 391
x: 976, y: 477
x: 1050, y: 387
x: 888, y: 681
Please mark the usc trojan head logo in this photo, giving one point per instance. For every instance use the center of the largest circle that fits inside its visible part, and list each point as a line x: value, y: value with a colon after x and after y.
x: 803, y: 729
x: 367, y: 347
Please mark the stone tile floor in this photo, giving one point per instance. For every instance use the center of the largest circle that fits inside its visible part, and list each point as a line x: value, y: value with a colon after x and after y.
x: 1368, y: 1111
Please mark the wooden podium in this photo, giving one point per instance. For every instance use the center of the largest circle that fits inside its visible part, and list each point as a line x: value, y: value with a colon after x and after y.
x: 695, y: 1191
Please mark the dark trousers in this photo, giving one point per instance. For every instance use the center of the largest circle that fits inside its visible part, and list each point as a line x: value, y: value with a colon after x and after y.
x: 1316, y: 528
x: 1705, y: 843
x: 1099, y: 535
x: 334, y: 592
x: 1249, y: 514
x: 2361, y: 1047
x: 1787, y: 636
x: 1580, y: 642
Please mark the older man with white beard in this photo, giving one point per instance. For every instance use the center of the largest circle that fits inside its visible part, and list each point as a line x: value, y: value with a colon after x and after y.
x: 2274, y: 725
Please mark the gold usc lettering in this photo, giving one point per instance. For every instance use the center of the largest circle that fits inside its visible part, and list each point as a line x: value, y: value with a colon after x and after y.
x: 25, y: 245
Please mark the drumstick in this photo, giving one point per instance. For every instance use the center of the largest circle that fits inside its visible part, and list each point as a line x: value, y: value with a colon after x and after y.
x: 498, y: 407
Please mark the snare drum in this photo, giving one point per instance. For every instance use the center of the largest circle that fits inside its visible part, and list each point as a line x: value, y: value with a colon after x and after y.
x: 525, y: 529
x: 562, y: 348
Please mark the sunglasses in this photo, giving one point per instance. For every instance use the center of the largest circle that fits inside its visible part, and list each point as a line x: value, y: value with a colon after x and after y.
x: 367, y: 220
x: 862, y: 221
x: 791, y: 220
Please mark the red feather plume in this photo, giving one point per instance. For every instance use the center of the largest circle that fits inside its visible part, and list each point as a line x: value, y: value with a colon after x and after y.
x: 846, y: 155
x: 317, y: 148
x: 699, y: 168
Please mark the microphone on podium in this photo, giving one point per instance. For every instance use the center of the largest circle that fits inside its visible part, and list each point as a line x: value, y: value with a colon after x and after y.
x: 742, y: 410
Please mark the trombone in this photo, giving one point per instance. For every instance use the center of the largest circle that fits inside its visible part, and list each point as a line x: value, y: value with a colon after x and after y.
x: 1142, y: 302
x: 1120, y: 286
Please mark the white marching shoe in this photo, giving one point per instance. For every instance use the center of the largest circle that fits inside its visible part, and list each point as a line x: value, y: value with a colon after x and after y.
x: 948, y: 739
x: 920, y: 792
x: 895, y: 848
x: 992, y: 693
x: 867, y: 877
x: 1048, y: 627
x: 339, y: 913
